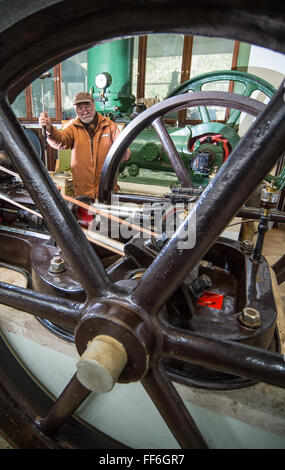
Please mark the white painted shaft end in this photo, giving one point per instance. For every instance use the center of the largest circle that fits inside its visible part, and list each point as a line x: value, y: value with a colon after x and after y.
x: 101, y: 364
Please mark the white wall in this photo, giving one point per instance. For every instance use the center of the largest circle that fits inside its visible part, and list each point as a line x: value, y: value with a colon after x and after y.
x: 267, y: 64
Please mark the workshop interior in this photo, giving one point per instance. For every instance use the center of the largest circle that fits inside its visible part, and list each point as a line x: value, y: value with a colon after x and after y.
x: 152, y: 317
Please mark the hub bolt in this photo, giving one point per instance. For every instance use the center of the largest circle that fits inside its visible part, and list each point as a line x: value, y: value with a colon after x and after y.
x: 251, y: 317
x: 247, y: 245
x: 57, y: 264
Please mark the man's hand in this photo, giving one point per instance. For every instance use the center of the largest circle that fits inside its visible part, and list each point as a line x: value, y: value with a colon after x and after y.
x: 45, y: 122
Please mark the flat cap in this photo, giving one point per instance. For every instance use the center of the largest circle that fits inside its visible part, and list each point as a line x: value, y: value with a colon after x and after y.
x: 82, y: 97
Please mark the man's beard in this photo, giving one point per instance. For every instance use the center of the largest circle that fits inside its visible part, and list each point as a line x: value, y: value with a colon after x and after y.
x: 87, y: 119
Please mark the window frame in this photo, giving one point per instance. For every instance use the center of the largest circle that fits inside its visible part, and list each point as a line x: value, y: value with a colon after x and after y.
x: 141, y: 80
x: 30, y: 118
x: 184, y: 75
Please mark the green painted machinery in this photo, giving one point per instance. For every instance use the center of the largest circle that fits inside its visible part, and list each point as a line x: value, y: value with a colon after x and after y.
x: 203, y: 148
x: 109, y: 77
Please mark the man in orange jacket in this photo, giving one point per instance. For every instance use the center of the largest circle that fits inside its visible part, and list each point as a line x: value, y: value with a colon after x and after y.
x: 89, y: 136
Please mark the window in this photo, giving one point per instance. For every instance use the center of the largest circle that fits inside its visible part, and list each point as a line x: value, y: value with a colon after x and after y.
x: 41, y: 93
x: 43, y: 87
x: 209, y: 55
x: 166, y: 61
x: 163, y: 64
x: 19, y: 105
x: 74, y: 80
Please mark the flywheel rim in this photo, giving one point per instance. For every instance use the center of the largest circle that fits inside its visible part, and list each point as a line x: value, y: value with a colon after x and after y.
x: 104, y: 287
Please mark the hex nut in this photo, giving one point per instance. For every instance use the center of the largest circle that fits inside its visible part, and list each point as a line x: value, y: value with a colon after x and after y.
x: 250, y: 317
x: 57, y: 265
x: 247, y: 245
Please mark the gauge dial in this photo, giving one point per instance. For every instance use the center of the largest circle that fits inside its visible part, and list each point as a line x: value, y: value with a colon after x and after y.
x: 103, y: 80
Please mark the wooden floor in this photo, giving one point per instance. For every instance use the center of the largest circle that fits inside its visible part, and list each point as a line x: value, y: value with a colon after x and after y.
x: 274, y: 247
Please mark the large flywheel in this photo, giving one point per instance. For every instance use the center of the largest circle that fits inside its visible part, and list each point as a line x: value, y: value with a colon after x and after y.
x: 121, y: 332
x: 154, y: 116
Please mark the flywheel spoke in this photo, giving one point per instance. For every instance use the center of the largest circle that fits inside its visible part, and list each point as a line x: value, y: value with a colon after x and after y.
x: 71, y: 398
x: 204, y: 114
x: 55, y: 309
x: 250, y: 161
x: 61, y: 223
x: 226, y: 356
x: 171, y: 407
x: 174, y: 158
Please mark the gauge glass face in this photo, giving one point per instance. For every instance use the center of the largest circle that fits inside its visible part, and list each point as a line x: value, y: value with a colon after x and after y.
x: 101, y: 80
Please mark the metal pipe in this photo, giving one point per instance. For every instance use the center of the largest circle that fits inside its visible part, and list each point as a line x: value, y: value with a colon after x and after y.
x: 42, y: 77
x: 137, y: 199
x: 255, y: 213
x: 105, y: 242
x: 108, y: 215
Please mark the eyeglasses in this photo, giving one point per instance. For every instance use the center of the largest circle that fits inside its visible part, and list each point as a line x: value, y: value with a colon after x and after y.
x: 82, y: 107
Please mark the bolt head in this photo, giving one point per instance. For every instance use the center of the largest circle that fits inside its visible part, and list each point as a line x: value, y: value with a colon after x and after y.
x: 247, y: 245
x: 251, y: 317
x: 57, y: 265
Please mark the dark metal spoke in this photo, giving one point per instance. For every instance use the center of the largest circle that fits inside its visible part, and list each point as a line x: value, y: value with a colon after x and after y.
x: 172, y: 409
x: 71, y: 398
x: 174, y: 158
x: 55, y: 309
x: 226, y: 356
x: 61, y: 223
x: 250, y: 161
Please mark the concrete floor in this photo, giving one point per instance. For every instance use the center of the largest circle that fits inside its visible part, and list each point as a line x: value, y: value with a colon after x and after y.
x: 273, y: 248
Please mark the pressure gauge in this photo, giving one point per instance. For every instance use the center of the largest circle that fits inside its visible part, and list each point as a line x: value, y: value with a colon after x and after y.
x: 103, y: 80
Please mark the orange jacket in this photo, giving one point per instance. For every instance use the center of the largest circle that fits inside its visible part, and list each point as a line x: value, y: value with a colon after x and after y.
x: 87, y: 155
